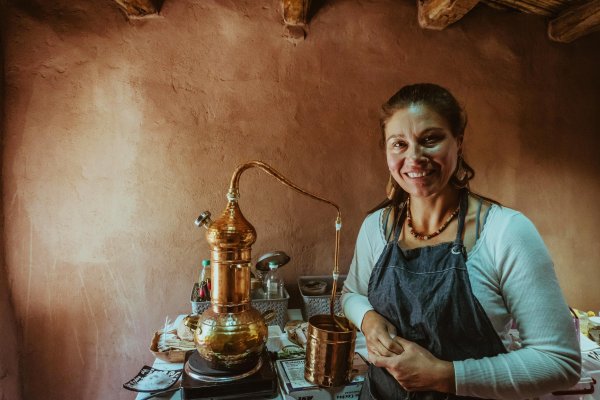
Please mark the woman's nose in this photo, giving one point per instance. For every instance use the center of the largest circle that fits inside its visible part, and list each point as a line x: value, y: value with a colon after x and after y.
x: 415, y: 152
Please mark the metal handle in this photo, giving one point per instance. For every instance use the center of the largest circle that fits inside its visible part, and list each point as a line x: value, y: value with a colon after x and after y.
x: 203, y: 220
x: 191, y: 321
x: 269, y: 316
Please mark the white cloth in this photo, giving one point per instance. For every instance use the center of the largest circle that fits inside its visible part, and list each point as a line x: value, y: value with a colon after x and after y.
x: 513, y: 277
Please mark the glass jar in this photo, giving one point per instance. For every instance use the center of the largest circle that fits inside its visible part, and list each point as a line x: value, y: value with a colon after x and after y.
x: 273, y: 283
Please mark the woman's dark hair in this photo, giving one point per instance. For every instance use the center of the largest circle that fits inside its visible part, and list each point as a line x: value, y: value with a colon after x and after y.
x: 442, y: 102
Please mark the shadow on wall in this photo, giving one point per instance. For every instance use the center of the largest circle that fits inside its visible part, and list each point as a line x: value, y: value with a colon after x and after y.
x: 68, y: 18
x: 315, y: 6
x: 10, y: 380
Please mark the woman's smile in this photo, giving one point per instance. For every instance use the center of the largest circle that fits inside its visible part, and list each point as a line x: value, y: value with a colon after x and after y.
x: 418, y: 174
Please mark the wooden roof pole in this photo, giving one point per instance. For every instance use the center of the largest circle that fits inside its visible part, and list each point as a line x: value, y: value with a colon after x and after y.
x: 295, y: 18
x: 438, y: 14
x: 575, y: 22
x: 139, y: 8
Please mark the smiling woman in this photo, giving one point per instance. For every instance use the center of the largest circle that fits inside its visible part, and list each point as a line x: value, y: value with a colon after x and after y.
x: 440, y: 274
x: 421, y: 150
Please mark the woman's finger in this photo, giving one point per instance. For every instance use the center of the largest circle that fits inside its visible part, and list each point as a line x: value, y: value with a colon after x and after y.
x: 391, y: 330
x: 373, y: 358
x: 391, y: 345
x: 382, y: 361
x: 401, y: 341
x: 395, y: 347
x: 378, y: 348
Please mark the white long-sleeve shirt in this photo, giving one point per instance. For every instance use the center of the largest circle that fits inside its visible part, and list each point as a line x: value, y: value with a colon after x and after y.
x: 513, y: 278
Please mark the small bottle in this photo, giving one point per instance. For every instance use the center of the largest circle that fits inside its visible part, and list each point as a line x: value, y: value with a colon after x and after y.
x: 273, y: 283
x: 204, y: 281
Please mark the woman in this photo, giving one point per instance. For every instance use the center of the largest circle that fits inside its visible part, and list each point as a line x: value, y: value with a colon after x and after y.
x: 440, y: 274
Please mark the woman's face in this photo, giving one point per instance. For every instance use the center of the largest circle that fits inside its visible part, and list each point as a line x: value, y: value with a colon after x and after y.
x: 421, y: 152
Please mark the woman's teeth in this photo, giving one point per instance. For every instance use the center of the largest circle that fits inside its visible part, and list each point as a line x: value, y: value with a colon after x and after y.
x: 416, y: 174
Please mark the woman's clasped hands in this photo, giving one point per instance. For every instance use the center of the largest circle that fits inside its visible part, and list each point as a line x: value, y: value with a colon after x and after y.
x: 413, y: 366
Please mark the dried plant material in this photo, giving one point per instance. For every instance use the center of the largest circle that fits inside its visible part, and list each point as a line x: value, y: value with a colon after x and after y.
x: 297, y: 333
x: 184, y: 332
x: 168, y: 346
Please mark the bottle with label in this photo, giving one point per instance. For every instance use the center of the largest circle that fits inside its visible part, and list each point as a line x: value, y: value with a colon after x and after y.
x: 204, y: 281
x: 273, y: 283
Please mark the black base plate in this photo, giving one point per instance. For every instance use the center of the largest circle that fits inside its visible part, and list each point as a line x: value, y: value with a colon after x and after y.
x: 262, y: 384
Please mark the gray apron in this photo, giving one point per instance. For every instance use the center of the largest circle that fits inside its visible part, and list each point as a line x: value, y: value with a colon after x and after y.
x: 426, y: 294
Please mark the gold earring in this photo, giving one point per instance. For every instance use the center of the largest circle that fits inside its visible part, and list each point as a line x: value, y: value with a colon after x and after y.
x: 460, y: 175
x: 460, y: 171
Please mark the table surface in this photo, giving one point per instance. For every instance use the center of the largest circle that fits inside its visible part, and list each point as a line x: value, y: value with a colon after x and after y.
x: 275, y: 335
x: 279, y: 339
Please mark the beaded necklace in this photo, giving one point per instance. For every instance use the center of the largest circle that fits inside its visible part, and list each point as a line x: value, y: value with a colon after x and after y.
x: 422, y: 236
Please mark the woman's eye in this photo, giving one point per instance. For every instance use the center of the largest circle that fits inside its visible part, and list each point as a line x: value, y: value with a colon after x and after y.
x: 430, y: 140
x: 398, y: 145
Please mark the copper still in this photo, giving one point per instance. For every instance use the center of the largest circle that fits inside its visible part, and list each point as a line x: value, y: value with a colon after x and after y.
x: 231, y: 335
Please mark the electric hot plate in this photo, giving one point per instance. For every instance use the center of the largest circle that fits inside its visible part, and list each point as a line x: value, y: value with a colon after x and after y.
x: 202, y: 382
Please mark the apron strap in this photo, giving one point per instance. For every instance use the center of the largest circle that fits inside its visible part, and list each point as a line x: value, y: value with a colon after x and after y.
x: 385, y: 222
x: 477, y: 222
x: 400, y: 222
x: 458, y: 247
x: 390, y: 220
x: 486, y: 215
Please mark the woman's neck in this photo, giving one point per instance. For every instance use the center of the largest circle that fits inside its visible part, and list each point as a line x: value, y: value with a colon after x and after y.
x: 429, y: 213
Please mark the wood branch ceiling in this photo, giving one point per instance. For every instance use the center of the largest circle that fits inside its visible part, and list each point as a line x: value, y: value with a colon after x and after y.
x: 567, y: 19
x: 545, y: 8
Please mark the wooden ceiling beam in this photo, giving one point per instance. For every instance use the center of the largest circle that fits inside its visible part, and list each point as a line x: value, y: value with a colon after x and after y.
x: 295, y: 12
x: 575, y: 22
x: 438, y: 14
x: 546, y: 8
x: 140, y: 8
x: 295, y: 18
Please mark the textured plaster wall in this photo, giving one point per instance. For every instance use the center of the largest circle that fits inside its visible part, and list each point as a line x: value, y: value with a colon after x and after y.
x: 119, y: 133
x: 9, y: 348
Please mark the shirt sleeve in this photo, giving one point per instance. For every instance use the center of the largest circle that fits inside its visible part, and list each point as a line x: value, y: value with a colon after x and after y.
x: 550, y: 358
x: 354, y: 294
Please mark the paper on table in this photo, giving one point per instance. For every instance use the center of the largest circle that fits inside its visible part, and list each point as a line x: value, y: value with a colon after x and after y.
x: 587, y: 344
x: 590, y: 361
x: 151, y: 380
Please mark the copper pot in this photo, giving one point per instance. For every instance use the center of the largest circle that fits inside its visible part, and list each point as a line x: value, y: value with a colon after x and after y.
x: 329, y: 350
x: 230, y: 341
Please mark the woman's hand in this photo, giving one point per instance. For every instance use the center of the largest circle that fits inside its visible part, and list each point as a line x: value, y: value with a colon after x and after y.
x: 379, y: 333
x: 416, y: 369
